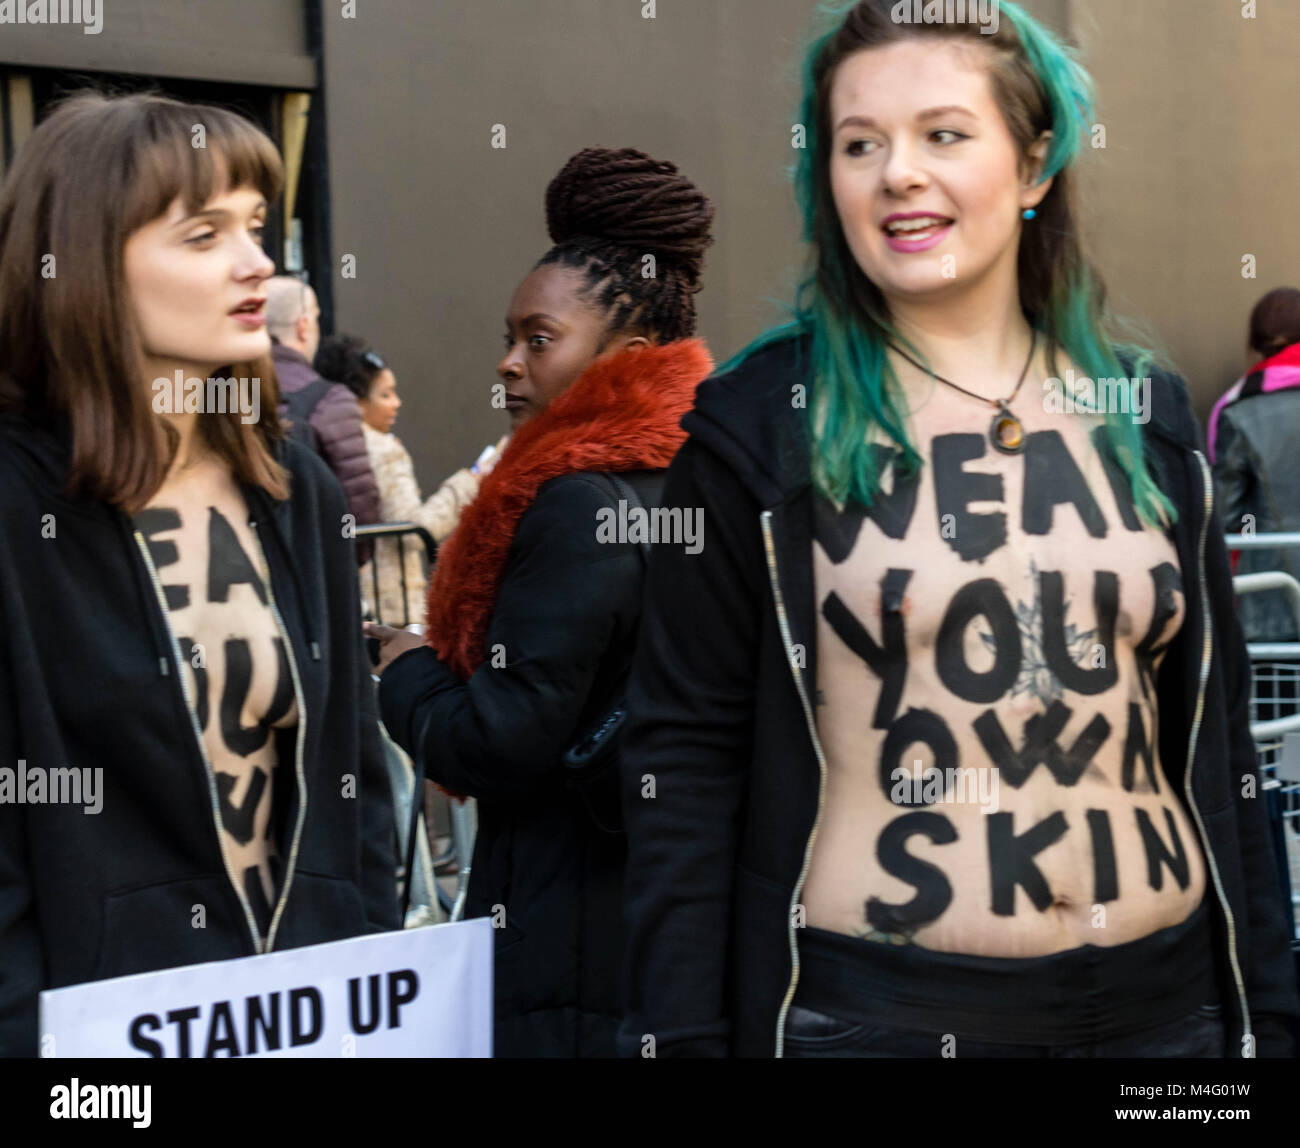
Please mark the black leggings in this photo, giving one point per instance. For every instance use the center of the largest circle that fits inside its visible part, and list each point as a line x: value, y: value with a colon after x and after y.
x: 1082, y: 996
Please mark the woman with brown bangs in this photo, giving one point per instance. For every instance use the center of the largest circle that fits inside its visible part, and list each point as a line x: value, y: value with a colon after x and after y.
x: 189, y: 759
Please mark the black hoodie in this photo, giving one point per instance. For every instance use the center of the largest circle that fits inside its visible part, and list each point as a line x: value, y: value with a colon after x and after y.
x: 90, y: 679
x: 721, y: 718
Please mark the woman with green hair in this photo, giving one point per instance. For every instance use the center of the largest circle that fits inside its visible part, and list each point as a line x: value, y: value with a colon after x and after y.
x: 940, y: 745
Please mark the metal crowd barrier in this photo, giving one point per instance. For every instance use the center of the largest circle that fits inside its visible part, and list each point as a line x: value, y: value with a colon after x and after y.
x: 430, y: 901
x: 1275, y: 699
x: 428, y: 906
x: 398, y: 530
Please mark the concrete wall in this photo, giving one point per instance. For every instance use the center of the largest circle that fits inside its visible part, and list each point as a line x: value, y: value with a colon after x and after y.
x: 1201, y: 168
x: 413, y: 94
x: 442, y: 226
x: 234, y: 41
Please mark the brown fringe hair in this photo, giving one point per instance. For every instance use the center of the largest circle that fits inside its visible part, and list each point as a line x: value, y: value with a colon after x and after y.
x: 71, y: 359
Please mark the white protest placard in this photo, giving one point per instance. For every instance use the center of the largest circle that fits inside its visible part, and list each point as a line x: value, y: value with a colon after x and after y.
x: 415, y: 992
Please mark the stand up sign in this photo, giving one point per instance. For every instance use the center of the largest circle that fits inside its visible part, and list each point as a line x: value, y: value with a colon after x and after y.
x: 420, y: 992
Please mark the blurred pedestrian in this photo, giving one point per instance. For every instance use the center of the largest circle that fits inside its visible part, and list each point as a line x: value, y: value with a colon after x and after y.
x: 349, y: 360
x: 1252, y: 435
x: 327, y: 407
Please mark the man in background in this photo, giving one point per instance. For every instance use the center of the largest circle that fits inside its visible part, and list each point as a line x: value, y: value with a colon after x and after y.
x: 329, y: 410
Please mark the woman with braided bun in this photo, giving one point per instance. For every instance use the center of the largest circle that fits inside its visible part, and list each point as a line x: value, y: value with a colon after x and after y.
x: 534, y: 605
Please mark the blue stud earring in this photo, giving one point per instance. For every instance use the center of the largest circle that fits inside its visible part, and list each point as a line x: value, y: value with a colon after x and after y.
x: 1029, y: 213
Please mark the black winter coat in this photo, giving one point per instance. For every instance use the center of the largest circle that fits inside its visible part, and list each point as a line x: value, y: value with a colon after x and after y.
x: 89, y: 678
x: 721, y: 715
x: 565, y: 617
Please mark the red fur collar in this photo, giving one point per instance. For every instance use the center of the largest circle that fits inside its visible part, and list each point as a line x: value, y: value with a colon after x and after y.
x: 622, y: 413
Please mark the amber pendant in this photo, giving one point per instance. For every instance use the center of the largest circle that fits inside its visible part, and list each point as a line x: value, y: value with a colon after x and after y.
x: 1007, y: 432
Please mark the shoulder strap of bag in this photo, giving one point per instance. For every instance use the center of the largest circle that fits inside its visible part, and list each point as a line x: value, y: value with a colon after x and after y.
x: 310, y: 396
x: 627, y: 492
x: 300, y: 405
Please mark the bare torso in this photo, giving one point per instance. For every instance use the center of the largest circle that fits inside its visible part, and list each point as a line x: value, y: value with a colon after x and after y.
x: 217, y: 588
x: 1008, y: 635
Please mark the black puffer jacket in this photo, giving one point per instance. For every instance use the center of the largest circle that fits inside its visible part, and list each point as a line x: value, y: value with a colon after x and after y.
x: 721, y: 715
x: 337, y: 422
x: 566, y: 617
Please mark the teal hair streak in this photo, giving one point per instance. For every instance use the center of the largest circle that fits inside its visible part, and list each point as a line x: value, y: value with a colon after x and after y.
x: 1072, y: 317
x: 1067, y: 86
x: 856, y: 393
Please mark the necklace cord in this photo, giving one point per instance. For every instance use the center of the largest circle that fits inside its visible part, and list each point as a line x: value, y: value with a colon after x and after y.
x: 1000, y: 404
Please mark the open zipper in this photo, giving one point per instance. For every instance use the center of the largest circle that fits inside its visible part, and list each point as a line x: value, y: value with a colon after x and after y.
x: 783, y: 621
x: 254, y: 933
x: 299, y: 771
x: 209, y: 773
x: 1207, y: 648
